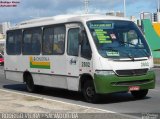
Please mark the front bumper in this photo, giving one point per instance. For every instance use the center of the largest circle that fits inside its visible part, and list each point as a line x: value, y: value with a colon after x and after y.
x: 114, y: 83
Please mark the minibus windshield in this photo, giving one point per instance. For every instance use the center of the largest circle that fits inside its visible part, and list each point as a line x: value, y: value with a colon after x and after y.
x: 118, y: 39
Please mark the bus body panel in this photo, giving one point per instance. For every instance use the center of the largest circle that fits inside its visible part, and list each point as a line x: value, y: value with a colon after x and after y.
x: 114, y: 83
x: 72, y: 62
x: 14, y: 75
x: 50, y: 80
x: 125, y: 64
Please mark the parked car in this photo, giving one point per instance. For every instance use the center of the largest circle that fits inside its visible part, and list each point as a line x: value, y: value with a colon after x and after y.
x: 1, y: 59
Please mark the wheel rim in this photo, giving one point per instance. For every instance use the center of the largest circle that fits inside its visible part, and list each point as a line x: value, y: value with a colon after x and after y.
x: 90, y: 92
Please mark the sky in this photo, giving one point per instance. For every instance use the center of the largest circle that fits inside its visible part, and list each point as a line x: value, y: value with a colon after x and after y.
x: 29, y: 9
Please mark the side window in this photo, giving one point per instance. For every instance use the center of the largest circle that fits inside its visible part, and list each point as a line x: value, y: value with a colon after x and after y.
x: 27, y: 43
x: 85, y: 47
x: 14, y: 39
x: 32, y: 41
x: 59, y: 40
x: 36, y: 41
x: 73, y: 42
x: 48, y: 36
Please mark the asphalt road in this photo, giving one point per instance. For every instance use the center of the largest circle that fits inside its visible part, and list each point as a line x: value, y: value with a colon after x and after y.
x: 119, y: 102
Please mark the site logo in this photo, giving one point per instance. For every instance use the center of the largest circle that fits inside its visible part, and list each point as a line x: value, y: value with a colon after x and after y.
x: 9, y: 3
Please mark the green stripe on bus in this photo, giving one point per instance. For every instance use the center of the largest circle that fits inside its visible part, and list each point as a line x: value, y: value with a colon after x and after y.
x: 40, y: 66
x: 107, y: 84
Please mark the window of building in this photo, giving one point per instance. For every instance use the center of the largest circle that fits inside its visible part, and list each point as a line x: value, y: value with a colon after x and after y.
x: 13, y: 45
x: 32, y: 41
x: 73, y: 42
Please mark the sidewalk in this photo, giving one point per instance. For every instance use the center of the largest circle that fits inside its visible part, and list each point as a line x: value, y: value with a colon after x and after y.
x: 12, y: 102
x: 17, y: 103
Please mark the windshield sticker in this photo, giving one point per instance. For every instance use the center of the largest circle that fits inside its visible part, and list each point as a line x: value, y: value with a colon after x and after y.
x: 105, y: 41
x: 102, y: 36
x: 101, y: 25
x: 100, y: 31
x: 113, y: 36
x: 112, y: 53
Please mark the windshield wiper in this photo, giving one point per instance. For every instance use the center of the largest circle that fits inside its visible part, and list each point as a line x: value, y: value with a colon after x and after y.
x: 136, y: 47
x: 146, y: 53
x: 129, y: 55
x: 128, y: 43
x: 110, y: 48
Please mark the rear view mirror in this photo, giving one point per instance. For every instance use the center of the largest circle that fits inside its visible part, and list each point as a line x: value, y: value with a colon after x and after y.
x: 85, y: 46
x: 81, y: 35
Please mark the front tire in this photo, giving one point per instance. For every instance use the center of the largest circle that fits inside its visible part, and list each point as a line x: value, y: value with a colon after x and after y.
x: 139, y: 94
x: 89, y: 92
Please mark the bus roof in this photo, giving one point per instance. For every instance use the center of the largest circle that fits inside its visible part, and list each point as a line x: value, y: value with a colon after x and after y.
x: 64, y: 19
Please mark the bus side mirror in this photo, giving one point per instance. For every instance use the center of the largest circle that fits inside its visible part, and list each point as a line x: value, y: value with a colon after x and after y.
x: 81, y: 35
x: 85, y: 46
x: 86, y: 53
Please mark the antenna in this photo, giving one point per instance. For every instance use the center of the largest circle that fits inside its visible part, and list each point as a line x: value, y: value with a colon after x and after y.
x: 86, y: 3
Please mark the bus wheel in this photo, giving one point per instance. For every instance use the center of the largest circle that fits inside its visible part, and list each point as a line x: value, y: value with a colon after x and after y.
x: 139, y: 94
x: 30, y: 84
x: 89, y: 92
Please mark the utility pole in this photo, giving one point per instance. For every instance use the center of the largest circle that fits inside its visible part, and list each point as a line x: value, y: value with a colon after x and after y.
x: 158, y: 7
x: 124, y: 5
x: 86, y: 3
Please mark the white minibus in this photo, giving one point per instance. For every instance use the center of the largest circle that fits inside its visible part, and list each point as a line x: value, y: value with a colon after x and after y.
x: 93, y: 54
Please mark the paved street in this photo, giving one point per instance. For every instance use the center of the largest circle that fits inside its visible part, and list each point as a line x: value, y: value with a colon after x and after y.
x: 120, y: 102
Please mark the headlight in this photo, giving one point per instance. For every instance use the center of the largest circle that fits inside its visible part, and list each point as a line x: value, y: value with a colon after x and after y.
x: 101, y: 72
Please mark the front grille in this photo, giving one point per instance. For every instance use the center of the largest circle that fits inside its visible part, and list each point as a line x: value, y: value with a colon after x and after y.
x: 131, y: 83
x: 132, y: 72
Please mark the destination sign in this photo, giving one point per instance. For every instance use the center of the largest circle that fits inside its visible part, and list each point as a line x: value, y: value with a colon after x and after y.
x: 101, y: 25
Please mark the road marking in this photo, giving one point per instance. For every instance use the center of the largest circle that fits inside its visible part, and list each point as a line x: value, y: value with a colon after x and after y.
x: 39, y: 97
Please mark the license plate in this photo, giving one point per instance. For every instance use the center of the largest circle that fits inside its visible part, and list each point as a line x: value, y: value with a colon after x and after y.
x: 134, y: 88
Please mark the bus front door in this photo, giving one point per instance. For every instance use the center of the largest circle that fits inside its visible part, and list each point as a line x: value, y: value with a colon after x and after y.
x: 72, y: 58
